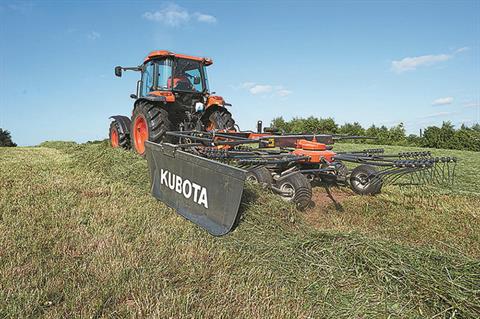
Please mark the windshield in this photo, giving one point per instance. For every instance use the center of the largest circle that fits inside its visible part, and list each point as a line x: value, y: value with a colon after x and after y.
x: 157, y: 75
x: 188, y: 76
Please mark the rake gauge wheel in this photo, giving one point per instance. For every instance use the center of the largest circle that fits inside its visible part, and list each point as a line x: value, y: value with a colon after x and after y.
x: 117, y: 137
x: 364, y: 180
x: 297, y: 189
x: 260, y: 175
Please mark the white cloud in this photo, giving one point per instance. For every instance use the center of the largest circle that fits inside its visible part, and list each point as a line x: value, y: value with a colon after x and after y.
x: 173, y: 15
x: 263, y: 89
x: 443, y: 101
x: 284, y: 92
x: 260, y: 89
x: 462, y: 49
x: 412, y: 63
x: 93, y: 35
x: 201, y: 17
x: 247, y: 85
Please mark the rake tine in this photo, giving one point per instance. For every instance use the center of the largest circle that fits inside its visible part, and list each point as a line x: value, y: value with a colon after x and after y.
x: 453, y: 174
x: 436, y: 172
x: 443, y: 170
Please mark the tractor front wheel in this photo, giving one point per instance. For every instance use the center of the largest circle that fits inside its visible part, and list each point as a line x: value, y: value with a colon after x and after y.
x: 220, y: 119
x: 149, y: 123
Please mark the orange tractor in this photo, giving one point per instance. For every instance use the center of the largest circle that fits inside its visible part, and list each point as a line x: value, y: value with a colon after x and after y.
x: 172, y: 95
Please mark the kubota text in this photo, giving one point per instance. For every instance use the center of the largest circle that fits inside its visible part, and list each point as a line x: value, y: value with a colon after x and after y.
x: 185, y: 187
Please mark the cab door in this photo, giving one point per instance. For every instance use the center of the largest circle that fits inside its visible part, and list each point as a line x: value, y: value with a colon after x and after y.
x: 148, y: 79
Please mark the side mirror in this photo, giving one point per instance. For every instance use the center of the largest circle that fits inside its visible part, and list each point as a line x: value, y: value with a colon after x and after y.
x: 196, y: 80
x: 118, y: 71
x: 134, y: 96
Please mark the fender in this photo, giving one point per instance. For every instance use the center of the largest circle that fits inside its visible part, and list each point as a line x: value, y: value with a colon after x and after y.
x: 160, y: 96
x: 150, y: 99
x: 215, y: 100
x: 124, y: 123
x: 156, y: 96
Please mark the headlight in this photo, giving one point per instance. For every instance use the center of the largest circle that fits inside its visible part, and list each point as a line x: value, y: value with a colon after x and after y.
x: 199, y: 107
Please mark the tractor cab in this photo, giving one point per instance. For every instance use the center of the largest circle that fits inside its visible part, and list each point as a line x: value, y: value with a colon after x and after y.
x: 164, y: 71
x: 172, y: 94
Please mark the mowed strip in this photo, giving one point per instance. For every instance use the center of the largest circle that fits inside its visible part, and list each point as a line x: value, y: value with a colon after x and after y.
x: 81, y: 236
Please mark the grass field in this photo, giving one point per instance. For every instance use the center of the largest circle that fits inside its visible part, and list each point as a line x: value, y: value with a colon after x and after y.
x: 80, y: 236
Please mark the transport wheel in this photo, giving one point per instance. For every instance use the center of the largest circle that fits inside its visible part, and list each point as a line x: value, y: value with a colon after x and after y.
x: 260, y: 175
x: 149, y: 122
x: 220, y: 119
x: 297, y: 189
x: 364, y: 180
x: 117, y: 138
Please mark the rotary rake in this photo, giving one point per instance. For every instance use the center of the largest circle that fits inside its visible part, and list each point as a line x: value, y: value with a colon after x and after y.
x: 405, y: 168
x: 202, y: 174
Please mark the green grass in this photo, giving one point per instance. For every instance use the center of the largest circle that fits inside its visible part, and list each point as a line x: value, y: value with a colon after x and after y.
x: 80, y: 236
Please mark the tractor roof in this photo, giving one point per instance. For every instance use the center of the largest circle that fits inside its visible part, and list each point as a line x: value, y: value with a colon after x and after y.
x: 164, y: 53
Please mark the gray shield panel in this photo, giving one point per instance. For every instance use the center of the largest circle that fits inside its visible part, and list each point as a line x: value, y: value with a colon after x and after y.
x: 206, y: 192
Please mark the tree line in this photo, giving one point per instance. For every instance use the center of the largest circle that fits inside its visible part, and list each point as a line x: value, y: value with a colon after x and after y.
x: 445, y: 136
x: 6, y: 138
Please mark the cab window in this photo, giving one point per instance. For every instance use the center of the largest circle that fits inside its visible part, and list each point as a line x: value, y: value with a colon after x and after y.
x: 164, y: 68
x: 195, y: 74
x: 147, y: 79
x: 187, y: 76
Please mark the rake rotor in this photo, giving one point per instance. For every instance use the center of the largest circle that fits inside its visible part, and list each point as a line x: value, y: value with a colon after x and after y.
x: 405, y: 168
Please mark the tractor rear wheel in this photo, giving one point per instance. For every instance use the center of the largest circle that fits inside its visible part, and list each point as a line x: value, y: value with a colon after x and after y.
x: 117, y: 137
x: 365, y: 181
x: 220, y: 119
x: 297, y: 189
x: 149, y: 123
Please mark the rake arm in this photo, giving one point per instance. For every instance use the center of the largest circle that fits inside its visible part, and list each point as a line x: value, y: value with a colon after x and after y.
x: 413, y: 168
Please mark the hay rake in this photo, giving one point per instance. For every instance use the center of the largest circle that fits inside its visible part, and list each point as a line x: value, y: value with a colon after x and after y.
x: 202, y: 174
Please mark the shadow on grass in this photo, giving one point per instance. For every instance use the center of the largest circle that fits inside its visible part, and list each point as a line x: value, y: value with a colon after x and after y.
x: 249, y: 196
x: 328, y: 190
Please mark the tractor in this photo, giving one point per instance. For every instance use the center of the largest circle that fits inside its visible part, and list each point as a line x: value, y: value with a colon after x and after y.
x: 172, y: 95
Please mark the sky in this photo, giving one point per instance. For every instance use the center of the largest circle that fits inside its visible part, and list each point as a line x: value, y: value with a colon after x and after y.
x: 382, y: 62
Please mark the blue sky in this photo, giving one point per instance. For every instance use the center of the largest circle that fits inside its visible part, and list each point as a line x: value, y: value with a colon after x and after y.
x: 368, y: 61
